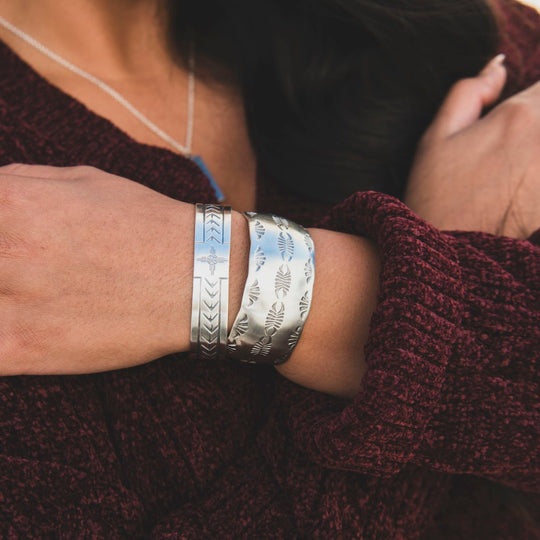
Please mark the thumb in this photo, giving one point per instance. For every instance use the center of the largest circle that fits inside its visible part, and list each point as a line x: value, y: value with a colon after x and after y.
x: 467, y: 99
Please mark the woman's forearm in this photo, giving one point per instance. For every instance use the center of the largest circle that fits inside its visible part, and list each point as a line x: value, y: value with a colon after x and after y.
x: 97, y: 274
x: 329, y: 354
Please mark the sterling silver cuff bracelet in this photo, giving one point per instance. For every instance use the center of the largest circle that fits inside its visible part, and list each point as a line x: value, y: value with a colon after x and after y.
x: 278, y: 291
x: 210, y: 281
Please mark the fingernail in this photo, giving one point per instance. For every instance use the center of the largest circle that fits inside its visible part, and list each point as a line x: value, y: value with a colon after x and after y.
x: 494, y: 64
x: 499, y: 59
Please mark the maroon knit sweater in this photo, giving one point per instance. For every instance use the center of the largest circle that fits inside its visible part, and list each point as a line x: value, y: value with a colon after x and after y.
x: 449, y: 410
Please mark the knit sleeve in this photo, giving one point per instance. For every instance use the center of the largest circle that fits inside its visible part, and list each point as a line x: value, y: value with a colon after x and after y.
x: 520, y: 41
x: 453, y: 357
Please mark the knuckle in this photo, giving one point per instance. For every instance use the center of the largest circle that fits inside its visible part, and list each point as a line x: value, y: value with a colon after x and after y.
x: 79, y: 172
x: 27, y: 170
x: 15, y: 168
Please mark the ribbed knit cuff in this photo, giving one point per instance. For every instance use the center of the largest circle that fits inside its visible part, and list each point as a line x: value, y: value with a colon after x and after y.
x: 412, y: 336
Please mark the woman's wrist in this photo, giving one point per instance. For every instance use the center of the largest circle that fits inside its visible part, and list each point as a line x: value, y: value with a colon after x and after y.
x: 238, y: 265
x: 329, y: 356
x: 113, y: 289
x: 176, y: 328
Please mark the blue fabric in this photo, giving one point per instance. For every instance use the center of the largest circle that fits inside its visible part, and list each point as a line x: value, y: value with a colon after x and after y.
x: 220, y: 196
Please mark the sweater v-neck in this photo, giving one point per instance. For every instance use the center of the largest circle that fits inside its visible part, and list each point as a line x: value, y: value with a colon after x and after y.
x: 72, y: 134
x: 83, y: 137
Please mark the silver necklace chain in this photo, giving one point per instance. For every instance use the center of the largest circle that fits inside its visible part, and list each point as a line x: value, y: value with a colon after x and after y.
x: 181, y: 148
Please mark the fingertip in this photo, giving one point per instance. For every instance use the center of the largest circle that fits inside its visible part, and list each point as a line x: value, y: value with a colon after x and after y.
x: 493, y: 77
x: 499, y: 60
x: 495, y: 67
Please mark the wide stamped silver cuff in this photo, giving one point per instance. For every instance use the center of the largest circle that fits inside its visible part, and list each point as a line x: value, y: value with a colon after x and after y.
x: 210, y: 281
x: 277, y: 296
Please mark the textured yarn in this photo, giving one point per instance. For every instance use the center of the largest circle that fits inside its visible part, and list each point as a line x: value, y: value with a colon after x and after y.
x: 442, y: 441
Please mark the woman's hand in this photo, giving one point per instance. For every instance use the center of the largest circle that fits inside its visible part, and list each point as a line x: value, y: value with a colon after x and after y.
x: 96, y: 274
x: 95, y: 271
x: 481, y: 174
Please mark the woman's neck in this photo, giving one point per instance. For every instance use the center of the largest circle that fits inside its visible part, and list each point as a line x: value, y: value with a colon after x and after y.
x: 109, y: 38
x: 123, y: 43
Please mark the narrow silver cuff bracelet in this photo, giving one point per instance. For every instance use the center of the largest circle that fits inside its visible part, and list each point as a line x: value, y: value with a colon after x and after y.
x: 278, y: 291
x: 210, y: 281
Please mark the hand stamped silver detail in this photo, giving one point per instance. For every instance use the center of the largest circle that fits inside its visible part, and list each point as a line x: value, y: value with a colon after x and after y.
x: 308, y: 270
x: 278, y: 291
x: 283, y: 281
x: 241, y: 327
x: 274, y: 319
x: 253, y: 293
x: 259, y: 257
x: 262, y: 347
x: 286, y: 246
x: 294, y: 337
x: 210, y: 281
x: 212, y: 259
x: 259, y: 229
x: 305, y: 304
x: 309, y: 243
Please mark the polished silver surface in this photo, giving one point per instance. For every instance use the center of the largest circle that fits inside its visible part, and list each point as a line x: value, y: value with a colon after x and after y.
x: 210, y: 281
x: 278, y: 291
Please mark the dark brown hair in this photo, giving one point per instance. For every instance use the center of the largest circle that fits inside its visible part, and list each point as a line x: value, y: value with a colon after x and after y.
x: 337, y: 92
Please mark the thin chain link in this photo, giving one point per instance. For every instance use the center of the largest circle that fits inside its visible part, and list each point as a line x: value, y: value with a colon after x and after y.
x: 181, y: 148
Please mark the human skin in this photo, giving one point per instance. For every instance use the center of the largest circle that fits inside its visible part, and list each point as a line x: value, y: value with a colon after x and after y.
x: 118, y: 30
x: 480, y: 174
x: 99, y: 269
x: 123, y: 44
